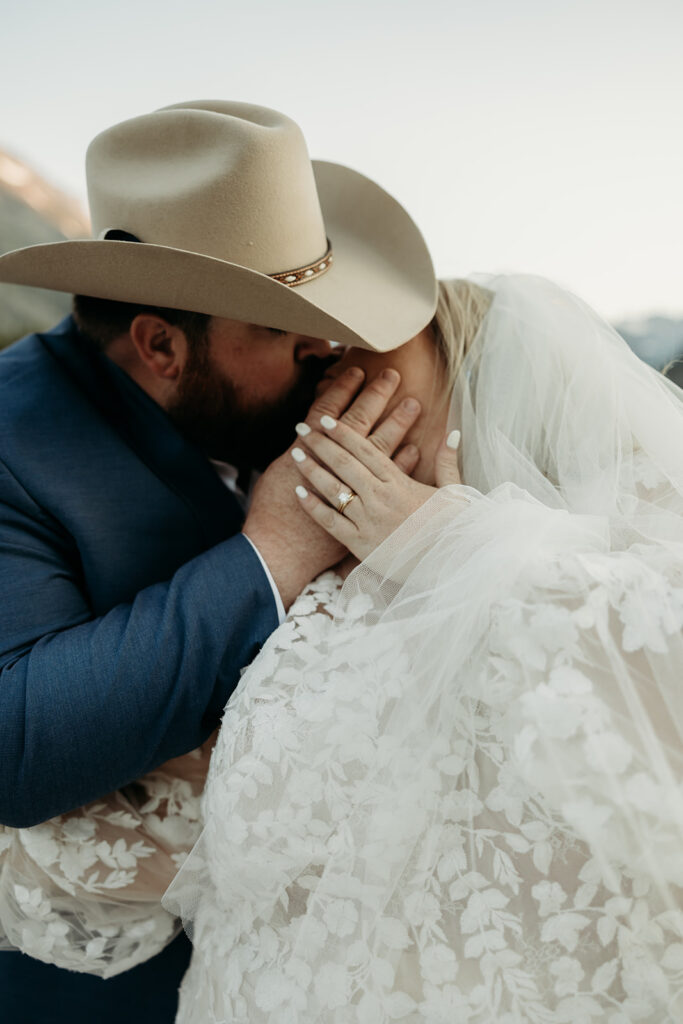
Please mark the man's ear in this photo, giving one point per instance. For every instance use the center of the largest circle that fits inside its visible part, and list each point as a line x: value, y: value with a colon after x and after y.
x: 161, y: 346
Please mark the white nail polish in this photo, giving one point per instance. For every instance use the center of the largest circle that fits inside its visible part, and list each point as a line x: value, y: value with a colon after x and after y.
x: 301, y: 491
x: 298, y: 455
x: 453, y: 440
x: 327, y: 422
x: 302, y: 429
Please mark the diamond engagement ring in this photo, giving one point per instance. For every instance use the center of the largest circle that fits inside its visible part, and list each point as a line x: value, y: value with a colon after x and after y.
x: 344, y: 498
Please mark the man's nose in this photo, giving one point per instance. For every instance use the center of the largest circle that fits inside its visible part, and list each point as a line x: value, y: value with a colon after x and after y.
x: 306, y: 347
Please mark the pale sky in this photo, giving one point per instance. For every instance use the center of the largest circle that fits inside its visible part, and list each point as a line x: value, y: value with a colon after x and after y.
x: 542, y: 136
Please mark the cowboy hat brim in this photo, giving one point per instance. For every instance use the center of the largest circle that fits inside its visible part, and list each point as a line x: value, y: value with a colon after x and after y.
x: 379, y: 292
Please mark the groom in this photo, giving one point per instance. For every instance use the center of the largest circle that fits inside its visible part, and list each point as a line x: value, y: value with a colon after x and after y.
x: 133, y: 589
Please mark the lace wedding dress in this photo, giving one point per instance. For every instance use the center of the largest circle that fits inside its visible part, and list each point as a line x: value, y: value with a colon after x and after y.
x: 451, y: 790
x: 83, y: 890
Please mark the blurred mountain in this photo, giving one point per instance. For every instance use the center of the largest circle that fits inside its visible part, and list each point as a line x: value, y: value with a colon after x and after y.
x: 656, y: 339
x: 32, y: 211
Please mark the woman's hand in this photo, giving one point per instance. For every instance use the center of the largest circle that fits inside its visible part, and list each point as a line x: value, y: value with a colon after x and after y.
x: 293, y: 548
x: 364, y: 496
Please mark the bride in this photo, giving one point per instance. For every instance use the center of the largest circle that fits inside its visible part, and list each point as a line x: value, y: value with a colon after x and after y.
x: 449, y: 787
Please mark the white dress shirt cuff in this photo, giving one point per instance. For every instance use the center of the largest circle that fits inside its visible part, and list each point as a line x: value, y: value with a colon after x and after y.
x: 281, y: 614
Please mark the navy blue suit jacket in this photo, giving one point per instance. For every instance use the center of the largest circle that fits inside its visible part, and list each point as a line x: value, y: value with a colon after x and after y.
x: 129, y: 599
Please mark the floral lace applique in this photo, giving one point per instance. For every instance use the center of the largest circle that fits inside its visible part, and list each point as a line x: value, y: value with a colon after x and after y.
x: 503, y: 914
x: 83, y: 890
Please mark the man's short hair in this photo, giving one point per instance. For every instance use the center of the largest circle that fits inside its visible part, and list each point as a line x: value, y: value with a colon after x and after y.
x: 103, y: 320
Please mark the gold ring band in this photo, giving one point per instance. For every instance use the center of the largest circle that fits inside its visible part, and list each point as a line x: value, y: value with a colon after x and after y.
x: 344, y: 499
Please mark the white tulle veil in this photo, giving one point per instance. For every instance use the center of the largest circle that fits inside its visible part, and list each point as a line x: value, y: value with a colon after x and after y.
x: 453, y: 791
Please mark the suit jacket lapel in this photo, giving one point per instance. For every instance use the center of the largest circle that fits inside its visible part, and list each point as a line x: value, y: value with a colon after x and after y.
x: 148, y: 431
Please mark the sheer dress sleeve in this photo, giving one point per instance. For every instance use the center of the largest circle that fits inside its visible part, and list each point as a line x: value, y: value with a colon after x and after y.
x: 83, y: 890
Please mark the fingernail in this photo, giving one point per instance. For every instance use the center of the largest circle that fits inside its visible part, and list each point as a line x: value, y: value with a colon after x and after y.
x: 298, y: 455
x: 411, y: 450
x: 391, y: 375
x: 411, y: 405
x: 355, y: 371
x: 302, y: 429
x: 301, y: 492
x: 327, y: 422
x: 453, y: 440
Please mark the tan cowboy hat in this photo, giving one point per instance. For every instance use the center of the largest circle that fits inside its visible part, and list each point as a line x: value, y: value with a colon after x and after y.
x: 214, y: 207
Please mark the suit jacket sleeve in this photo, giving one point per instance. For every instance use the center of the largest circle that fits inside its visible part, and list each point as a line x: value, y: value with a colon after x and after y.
x: 88, y: 704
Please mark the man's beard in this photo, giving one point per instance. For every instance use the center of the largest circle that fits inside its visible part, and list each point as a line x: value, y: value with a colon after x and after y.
x: 208, y: 411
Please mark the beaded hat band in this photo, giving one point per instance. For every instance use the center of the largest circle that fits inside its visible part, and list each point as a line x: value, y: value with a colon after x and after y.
x: 292, y: 278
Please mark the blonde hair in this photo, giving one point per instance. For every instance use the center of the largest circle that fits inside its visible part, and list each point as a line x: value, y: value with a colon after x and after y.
x: 460, y: 310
